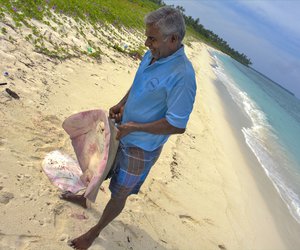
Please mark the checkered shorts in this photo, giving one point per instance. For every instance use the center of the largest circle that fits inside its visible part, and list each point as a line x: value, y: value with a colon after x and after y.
x: 131, y: 167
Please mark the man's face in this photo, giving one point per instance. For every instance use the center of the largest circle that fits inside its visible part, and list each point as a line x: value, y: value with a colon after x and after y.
x: 159, y: 45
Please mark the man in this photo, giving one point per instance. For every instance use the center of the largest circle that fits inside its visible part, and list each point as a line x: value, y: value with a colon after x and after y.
x: 157, y: 105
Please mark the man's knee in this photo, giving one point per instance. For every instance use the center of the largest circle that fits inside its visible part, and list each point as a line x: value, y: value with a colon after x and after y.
x: 118, y: 198
x: 121, y: 193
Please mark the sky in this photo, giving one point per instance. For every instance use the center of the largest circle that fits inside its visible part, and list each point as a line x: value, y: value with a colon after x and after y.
x: 266, y: 31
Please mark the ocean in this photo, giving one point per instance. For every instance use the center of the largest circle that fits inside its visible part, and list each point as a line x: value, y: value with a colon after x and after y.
x: 274, y: 133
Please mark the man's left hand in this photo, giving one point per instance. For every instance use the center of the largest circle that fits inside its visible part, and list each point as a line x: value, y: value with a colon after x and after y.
x: 125, y: 129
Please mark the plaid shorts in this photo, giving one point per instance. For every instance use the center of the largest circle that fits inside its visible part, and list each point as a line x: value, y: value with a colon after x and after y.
x: 131, y: 167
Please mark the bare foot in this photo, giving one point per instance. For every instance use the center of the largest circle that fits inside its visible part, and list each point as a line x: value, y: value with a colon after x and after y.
x: 86, y: 240
x: 77, y: 199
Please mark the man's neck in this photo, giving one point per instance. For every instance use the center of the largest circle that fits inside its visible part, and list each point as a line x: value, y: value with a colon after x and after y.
x: 153, y: 60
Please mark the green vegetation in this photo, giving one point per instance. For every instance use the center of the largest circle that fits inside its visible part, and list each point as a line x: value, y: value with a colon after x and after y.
x: 137, y: 53
x: 121, y: 14
x: 128, y: 14
x: 3, y: 30
x: 97, y: 55
x: 118, y: 48
x: 214, y: 40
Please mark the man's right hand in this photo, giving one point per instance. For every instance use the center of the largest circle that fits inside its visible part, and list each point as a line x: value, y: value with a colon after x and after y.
x: 116, y: 112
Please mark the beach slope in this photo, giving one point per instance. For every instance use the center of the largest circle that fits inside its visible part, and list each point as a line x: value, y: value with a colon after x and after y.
x: 201, y: 194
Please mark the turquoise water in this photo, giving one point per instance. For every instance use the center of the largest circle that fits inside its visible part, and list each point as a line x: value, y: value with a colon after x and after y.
x: 274, y: 136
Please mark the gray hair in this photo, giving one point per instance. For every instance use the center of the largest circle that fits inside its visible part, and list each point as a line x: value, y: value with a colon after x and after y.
x: 168, y: 20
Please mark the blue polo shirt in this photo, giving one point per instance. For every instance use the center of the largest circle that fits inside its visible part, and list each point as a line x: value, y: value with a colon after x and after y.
x: 164, y: 89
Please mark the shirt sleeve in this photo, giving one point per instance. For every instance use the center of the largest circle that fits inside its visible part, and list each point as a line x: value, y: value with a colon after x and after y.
x: 180, y: 101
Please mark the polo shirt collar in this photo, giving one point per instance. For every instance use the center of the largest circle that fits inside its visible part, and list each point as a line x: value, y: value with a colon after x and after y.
x: 178, y: 52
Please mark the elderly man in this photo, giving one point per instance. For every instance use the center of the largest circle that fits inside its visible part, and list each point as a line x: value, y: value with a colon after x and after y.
x: 157, y: 105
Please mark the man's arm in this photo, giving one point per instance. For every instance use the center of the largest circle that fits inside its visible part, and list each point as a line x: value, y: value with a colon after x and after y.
x: 161, y: 126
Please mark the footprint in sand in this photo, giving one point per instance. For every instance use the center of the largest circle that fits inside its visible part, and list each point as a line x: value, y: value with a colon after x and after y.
x: 2, y: 143
x: 174, y: 166
x: 5, y: 197
x: 222, y: 247
x: 15, y: 241
x: 24, y: 179
x: 187, y: 218
x: 175, y: 163
x: 209, y: 221
x: 61, y: 220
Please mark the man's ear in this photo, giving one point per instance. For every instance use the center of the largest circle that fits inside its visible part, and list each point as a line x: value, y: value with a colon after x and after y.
x: 174, y: 39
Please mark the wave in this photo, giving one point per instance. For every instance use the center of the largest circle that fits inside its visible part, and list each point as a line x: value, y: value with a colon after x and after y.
x: 286, y: 193
x: 262, y: 141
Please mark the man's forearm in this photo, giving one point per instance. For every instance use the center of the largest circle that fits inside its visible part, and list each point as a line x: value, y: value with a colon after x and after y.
x: 162, y: 127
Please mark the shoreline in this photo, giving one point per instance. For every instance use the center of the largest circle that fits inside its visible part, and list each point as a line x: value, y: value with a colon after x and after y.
x: 286, y: 224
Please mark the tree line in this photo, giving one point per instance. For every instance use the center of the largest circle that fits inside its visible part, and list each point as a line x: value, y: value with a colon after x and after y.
x: 210, y: 37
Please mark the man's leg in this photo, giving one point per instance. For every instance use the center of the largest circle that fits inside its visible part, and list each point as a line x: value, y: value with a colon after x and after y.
x: 133, y: 166
x: 113, y: 208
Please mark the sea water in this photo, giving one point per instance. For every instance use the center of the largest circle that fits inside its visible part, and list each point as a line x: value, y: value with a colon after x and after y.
x: 274, y: 136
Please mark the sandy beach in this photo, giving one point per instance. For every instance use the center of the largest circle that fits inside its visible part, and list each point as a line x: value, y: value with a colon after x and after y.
x: 207, y: 191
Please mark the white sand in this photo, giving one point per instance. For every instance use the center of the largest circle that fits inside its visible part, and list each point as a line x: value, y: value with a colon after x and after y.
x: 201, y: 194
